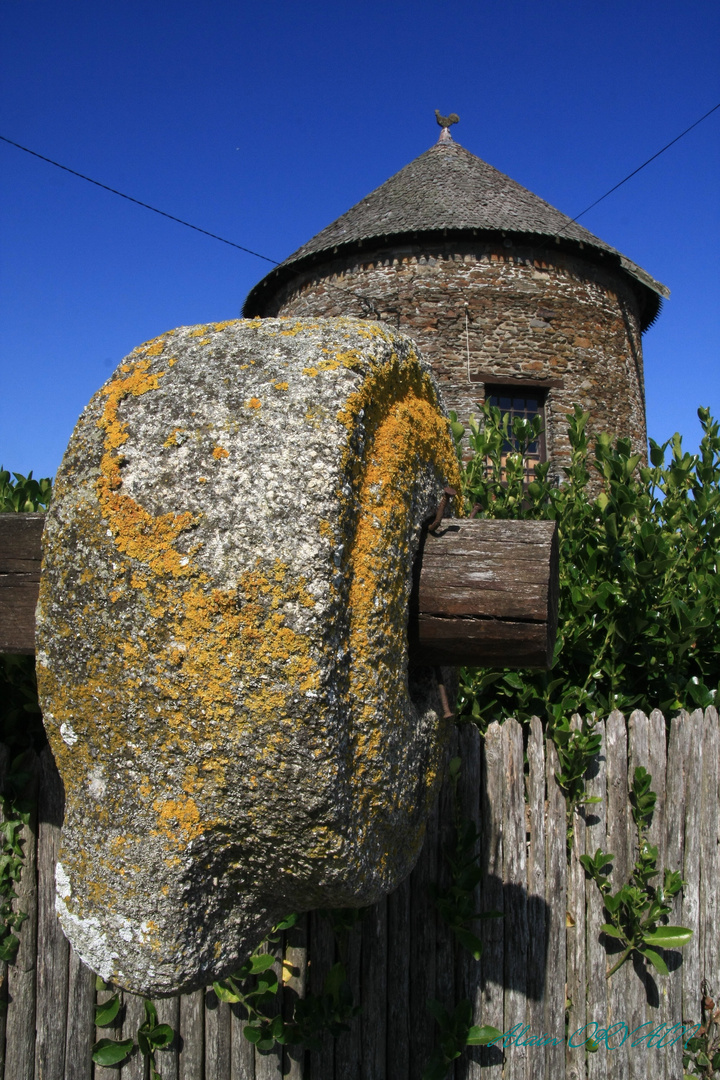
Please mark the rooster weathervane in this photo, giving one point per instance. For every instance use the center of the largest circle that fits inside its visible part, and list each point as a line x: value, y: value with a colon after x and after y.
x: 446, y: 121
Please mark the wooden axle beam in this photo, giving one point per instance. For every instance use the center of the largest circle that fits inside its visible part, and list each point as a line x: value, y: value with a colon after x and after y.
x: 486, y: 594
x: 485, y: 591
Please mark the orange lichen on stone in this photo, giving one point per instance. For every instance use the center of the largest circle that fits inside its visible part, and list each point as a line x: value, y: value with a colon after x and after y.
x: 179, y: 819
x: 254, y: 403
x: 220, y: 452
x: 298, y: 328
x: 172, y: 439
x: 404, y: 427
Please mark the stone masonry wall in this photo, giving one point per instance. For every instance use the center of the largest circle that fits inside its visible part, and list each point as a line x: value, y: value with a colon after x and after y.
x: 544, y: 317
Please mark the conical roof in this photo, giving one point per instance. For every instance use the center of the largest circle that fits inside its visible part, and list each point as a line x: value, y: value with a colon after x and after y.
x: 447, y: 190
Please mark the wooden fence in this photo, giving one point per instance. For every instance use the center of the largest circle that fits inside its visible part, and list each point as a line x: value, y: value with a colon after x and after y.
x: 543, y: 958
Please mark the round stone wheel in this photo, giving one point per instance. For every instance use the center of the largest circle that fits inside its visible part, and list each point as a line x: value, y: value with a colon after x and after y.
x: 222, y: 640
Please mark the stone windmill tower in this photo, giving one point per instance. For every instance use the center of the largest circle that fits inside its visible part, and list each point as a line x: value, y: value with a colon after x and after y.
x: 508, y: 299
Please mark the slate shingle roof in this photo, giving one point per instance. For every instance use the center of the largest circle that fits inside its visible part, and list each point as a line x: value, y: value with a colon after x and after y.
x: 448, y: 188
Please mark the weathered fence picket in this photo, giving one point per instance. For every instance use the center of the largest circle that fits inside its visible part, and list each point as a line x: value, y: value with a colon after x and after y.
x: 576, y: 980
x: 547, y: 946
x: 556, y: 895
x: 536, y: 877
x: 493, y: 898
x: 21, y: 977
x: 596, y: 957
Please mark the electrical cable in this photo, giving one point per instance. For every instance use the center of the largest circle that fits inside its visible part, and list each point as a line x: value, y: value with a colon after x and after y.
x: 138, y: 202
x: 275, y: 262
x: 657, y: 155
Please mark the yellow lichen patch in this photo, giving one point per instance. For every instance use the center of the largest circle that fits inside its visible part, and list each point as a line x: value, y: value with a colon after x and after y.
x: 316, y: 416
x: 199, y: 331
x: 298, y: 328
x: 405, y: 432
x: 371, y: 330
x: 172, y: 439
x: 281, y: 385
x: 157, y: 346
x: 153, y: 347
x: 178, y: 820
x: 222, y: 325
x: 350, y: 359
x: 254, y: 403
x: 220, y: 452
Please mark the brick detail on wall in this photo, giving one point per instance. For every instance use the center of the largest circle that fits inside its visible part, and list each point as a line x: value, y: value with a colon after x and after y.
x: 521, y: 313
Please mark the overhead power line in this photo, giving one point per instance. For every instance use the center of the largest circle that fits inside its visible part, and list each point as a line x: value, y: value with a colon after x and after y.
x: 657, y: 155
x: 275, y: 262
x: 138, y: 202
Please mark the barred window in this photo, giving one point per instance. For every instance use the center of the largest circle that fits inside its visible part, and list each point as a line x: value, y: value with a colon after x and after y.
x: 517, y: 401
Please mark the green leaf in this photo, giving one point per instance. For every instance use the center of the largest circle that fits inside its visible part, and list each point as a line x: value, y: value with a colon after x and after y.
x: 106, y: 1013
x: 267, y: 983
x: 225, y: 993
x: 8, y: 948
x: 107, y: 1052
x: 286, y: 923
x: 469, y: 941
x: 161, y: 1036
x: 481, y: 1036
x: 656, y: 960
x: 151, y: 1017
x: 261, y: 963
x: 612, y: 931
x: 668, y: 937
x: 276, y: 1027
x: 252, y: 1034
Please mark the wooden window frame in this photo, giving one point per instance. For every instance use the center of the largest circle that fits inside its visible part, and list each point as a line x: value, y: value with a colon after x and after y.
x: 517, y: 388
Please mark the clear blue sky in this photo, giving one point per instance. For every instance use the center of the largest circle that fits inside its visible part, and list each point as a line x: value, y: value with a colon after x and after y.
x: 264, y: 122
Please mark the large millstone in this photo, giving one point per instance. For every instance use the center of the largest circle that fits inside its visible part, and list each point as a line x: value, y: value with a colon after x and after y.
x: 222, y: 647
